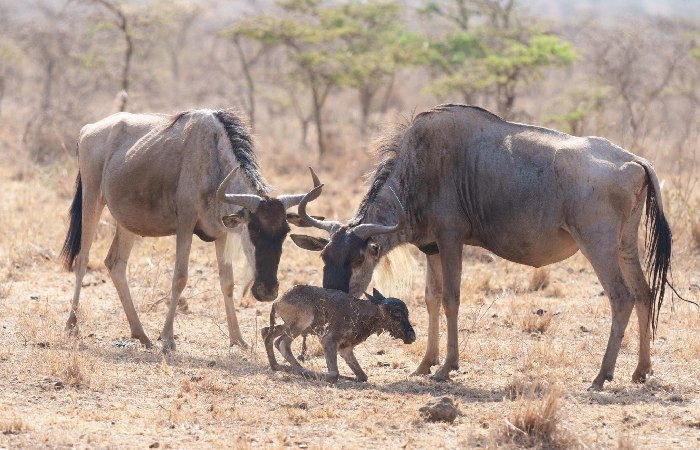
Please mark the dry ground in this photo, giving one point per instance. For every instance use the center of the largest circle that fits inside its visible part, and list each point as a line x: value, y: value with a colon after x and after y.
x: 516, y: 367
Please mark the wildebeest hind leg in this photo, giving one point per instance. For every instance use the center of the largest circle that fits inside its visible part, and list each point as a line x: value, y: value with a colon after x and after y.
x: 600, y: 247
x: 116, y: 262
x: 269, y: 334
x: 226, y: 282
x: 91, y: 210
x: 634, y: 278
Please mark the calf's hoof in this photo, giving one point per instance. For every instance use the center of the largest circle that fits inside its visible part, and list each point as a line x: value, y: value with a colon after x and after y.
x: 169, y: 345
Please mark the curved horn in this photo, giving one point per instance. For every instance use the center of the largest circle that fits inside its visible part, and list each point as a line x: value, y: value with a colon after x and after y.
x: 292, y: 200
x: 367, y: 230
x: 247, y: 201
x: 328, y: 225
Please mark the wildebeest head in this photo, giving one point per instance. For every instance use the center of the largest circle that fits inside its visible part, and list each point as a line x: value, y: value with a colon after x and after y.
x: 267, y: 221
x: 351, y: 253
x: 394, y: 316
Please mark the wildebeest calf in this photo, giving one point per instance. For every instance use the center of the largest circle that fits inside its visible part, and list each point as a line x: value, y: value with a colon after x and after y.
x: 339, y: 320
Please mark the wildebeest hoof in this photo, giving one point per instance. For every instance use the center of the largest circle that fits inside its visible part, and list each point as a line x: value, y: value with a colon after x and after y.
x: 595, y: 387
x: 241, y: 343
x: 169, y: 345
x: 361, y: 379
x: 641, y: 375
x: 440, y: 377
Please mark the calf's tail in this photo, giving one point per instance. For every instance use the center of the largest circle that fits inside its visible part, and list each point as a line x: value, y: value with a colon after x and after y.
x: 71, y: 246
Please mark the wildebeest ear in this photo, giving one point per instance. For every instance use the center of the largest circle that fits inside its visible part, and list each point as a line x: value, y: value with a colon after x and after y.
x: 294, y: 219
x: 233, y: 220
x: 315, y: 244
x: 378, y: 295
x: 373, y: 299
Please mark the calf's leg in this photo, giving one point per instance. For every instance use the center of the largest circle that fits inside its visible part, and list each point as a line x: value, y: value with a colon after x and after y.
x: 269, y: 334
x: 349, y: 357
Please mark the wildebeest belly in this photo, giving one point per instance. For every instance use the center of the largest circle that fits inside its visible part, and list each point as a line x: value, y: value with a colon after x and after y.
x: 531, y: 247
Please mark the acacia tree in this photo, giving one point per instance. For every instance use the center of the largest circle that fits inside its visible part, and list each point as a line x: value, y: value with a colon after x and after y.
x: 496, y: 57
x: 375, y: 44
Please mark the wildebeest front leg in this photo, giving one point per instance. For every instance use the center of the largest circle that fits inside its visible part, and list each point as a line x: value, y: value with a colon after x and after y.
x: 451, y: 259
x: 226, y: 282
x: 182, y: 255
x: 116, y: 261
x: 433, y: 299
x: 349, y: 357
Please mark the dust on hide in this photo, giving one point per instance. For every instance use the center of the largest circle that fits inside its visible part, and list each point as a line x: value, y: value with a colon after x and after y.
x: 339, y: 320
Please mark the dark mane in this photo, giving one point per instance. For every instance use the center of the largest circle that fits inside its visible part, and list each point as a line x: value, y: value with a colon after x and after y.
x: 449, y: 106
x: 387, y: 147
x: 242, y: 145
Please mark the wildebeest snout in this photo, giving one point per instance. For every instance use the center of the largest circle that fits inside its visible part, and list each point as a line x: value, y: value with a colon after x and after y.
x: 265, y: 292
x: 410, y: 337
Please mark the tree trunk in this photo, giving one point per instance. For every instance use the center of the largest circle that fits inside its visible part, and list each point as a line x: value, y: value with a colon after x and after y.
x: 250, y: 83
x: 318, y: 107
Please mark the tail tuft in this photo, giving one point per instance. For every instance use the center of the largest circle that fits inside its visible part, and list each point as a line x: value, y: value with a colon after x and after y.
x: 71, y: 246
x: 658, y: 243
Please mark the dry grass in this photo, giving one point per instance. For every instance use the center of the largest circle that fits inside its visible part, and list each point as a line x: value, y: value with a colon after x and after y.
x: 537, y: 323
x: 102, y: 389
x: 539, y: 279
x: 536, y: 422
x: 695, y: 232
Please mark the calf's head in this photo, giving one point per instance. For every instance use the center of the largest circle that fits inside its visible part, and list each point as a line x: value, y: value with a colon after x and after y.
x: 394, y: 317
x: 267, y: 221
x: 351, y: 254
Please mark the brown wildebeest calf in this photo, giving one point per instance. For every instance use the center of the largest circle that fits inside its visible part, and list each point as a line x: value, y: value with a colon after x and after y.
x: 341, y: 321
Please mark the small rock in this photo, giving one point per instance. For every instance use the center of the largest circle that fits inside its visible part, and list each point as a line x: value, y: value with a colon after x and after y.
x: 58, y: 385
x: 303, y: 446
x: 211, y: 363
x: 487, y: 258
x: 381, y: 352
x: 584, y: 329
x: 383, y: 364
x: 677, y: 398
x: 694, y: 287
x: 33, y: 297
x: 439, y: 410
x: 540, y: 312
x: 154, y: 445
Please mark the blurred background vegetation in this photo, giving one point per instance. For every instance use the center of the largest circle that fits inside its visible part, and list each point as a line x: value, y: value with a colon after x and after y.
x: 318, y: 78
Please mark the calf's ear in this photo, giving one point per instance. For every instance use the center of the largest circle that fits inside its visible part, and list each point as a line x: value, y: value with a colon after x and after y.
x: 295, y: 219
x: 315, y: 244
x: 233, y: 220
x: 378, y: 295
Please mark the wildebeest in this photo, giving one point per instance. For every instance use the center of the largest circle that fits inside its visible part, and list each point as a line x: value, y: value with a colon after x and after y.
x: 161, y: 175
x: 531, y: 195
x: 341, y: 322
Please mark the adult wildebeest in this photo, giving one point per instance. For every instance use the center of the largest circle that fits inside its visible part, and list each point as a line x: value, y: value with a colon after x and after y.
x: 528, y: 194
x: 160, y: 175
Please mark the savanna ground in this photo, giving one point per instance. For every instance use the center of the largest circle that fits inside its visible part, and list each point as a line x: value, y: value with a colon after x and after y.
x: 531, y: 342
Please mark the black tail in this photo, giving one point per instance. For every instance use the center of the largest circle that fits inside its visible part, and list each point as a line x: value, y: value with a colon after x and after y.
x: 658, y: 243
x: 71, y: 246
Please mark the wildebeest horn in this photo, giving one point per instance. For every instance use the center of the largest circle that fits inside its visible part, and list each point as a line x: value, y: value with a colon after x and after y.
x: 292, y: 200
x: 367, y: 230
x: 328, y: 225
x: 247, y: 201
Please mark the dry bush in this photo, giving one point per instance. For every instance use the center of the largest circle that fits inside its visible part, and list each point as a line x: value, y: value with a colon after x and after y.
x: 535, y: 422
x: 539, y: 279
x: 14, y: 425
x: 537, y: 323
x: 695, y: 231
